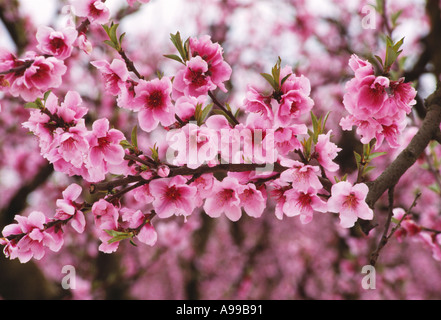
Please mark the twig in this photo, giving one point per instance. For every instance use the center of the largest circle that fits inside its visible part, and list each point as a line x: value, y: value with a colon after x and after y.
x: 26, y: 64
x: 384, y: 237
x: 129, y: 63
x: 220, y: 106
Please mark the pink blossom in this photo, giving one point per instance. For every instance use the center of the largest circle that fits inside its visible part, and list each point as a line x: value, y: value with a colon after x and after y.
x: 377, y: 105
x: 349, y: 202
x: 106, y: 218
x: 295, y: 100
x: 71, y: 109
x: 148, y: 235
x: 114, y: 74
x: 95, y: 10
x: 367, y: 129
x: 252, y: 200
x: 83, y: 43
x: 132, y: 2
x: 278, y: 190
x: 408, y: 226
x: 433, y: 241
x: 71, y: 146
x: 186, y: 105
x: 143, y: 195
x: 219, y: 70
x: 362, y: 68
x: 257, y: 103
x: 206, y: 70
x: 42, y: 75
x: 326, y: 152
x: 135, y: 219
x: 204, y: 185
x: 285, y: 138
x: 56, y: 43
x: 303, y: 177
x: 126, y: 96
x: 163, y: 171
x: 33, y: 239
x: 67, y: 208
x: 303, y: 204
x: 153, y: 104
x: 172, y: 196
x: 193, y: 81
x: 225, y: 199
x: 195, y: 145
x: 104, y: 144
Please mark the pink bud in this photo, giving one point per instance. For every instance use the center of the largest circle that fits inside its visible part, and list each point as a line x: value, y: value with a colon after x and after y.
x: 163, y: 171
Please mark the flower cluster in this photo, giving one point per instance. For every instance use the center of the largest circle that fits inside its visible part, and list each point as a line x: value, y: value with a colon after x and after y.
x: 31, y: 76
x: 66, y: 142
x: 114, y: 224
x: 377, y: 106
x: 31, y: 235
x: 430, y: 238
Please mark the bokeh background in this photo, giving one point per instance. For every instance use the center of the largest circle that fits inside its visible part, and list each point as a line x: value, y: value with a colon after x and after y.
x: 204, y: 258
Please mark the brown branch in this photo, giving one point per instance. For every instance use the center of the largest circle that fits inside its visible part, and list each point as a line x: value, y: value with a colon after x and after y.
x: 129, y: 63
x: 18, y: 201
x: 26, y: 64
x: 109, y: 185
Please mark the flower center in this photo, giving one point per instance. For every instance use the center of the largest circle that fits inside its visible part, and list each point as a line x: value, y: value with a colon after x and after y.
x: 351, y: 201
x: 304, y: 201
x: 172, y: 193
x: 154, y: 100
x: 226, y: 195
x: 197, y: 78
x: 103, y: 142
x: 57, y: 43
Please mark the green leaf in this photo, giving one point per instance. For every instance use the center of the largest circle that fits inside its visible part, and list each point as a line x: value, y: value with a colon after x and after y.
x: 221, y: 112
x: 134, y: 137
x: 285, y: 78
x: 31, y: 105
x: 174, y: 57
x: 276, y: 72
x: 197, y: 113
x: 435, y: 188
x: 368, y: 169
x: 133, y: 243
x: 121, y: 37
x: 357, y: 158
x: 315, y: 124
x: 155, y: 154
x: 392, y: 52
x: 125, y: 144
x: 46, y: 94
x: 394, y: 17
x: 374, y: 155
x: 112, y: 32
x: 118, y: 235
x: 177, y: 42
x: 271, y: 80
x: 111, y: 44
x: 205, y: 112
x: 325, y: 120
